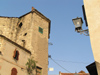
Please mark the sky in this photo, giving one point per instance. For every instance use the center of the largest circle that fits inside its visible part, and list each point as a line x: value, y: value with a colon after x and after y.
x: 70, y: 49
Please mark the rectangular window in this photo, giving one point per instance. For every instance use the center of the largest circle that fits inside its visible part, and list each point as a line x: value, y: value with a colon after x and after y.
x: 41, y: 30
x: 38, y: 71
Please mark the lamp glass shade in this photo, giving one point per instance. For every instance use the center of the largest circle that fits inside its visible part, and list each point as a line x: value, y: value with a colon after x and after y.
x: 77, y: 22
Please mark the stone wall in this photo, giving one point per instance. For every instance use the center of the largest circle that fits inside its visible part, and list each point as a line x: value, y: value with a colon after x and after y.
x: 26, y: 28
x: 8, y: 27
x: 40, y: 42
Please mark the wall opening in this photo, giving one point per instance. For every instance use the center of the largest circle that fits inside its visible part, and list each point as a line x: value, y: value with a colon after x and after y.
x: 20, y: 25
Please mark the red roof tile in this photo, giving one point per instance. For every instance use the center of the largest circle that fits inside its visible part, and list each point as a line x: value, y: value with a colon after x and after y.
x: 74, y: 73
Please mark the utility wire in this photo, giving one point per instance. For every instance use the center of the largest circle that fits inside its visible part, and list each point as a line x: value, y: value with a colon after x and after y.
x: 60, y: 65
x: 72, y: 62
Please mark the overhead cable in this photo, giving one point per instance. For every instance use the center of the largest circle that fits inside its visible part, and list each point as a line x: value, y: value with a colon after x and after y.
x: 72, y: 62
x: 60, y: 65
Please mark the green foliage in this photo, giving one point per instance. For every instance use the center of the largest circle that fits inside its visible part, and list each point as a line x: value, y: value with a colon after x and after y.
x: 31, y: 65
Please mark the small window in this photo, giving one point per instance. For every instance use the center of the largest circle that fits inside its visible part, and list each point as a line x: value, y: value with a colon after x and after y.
x: 41, y: 30
x: 14, y: 71
x: 16, y: 55
x: 38, y: 71
x: 20, y: 25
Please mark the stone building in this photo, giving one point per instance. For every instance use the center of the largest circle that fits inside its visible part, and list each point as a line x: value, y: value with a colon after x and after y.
x: 92, y: 10
x: 27, y: 36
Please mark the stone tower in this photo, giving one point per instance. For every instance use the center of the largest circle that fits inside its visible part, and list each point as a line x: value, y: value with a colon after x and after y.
x: 31, y: 31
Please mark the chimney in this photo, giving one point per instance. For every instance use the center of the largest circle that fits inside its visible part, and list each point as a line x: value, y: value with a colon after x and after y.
x: 33, y: 8
x: 59, y: 72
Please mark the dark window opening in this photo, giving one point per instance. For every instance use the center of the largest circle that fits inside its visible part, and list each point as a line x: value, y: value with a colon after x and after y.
x: 25, y: 34
x: 16, y: 55
x: 20, y: 25
x: 14, y: 71
x: 41, y: 30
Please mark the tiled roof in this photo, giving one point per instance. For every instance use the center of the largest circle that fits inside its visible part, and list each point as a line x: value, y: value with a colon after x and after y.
x: 74, y: 73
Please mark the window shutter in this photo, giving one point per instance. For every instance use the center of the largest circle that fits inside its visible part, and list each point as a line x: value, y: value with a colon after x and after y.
x: 14, y: 53
x: 14, y: 71
x: 17, y: 55
x: 41, y: 30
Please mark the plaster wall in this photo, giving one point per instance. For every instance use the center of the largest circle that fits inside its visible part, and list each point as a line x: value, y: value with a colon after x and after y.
x: 92, y: 8
x: 7, y: 67
x: 7, y: 62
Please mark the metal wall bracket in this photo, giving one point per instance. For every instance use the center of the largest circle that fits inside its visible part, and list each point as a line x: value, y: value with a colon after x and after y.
x: 85, y: 32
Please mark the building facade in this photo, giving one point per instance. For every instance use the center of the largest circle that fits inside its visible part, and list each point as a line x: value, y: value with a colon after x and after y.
x: 29, y: 33
x: 92, y: 10
x: 9, y: 60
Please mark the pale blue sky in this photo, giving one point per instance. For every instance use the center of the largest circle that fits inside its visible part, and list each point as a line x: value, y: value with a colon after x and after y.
x: 67, y: 44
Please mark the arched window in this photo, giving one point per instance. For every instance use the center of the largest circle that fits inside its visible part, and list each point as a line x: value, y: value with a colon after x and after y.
x: 16, y: 54
x: 14, y: 71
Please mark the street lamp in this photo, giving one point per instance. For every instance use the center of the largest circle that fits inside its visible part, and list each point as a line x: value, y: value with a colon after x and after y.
x: 78, y: 26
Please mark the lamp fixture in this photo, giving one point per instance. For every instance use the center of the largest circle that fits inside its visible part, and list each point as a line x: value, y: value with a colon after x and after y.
x: 78, y: 26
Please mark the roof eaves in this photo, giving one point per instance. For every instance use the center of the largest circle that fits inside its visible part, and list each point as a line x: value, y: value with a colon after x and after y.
x: 15, y: 43
x: 42, y: 16
x: 25, y: 14
x: 47, y: 19
x: 7, y: 17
